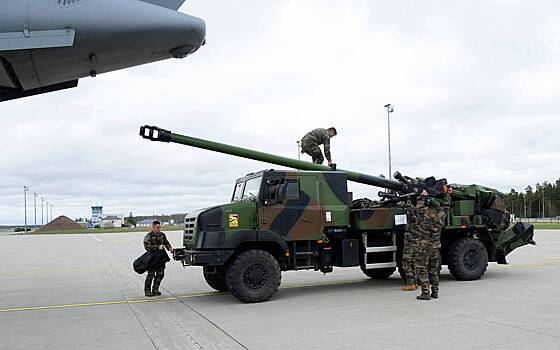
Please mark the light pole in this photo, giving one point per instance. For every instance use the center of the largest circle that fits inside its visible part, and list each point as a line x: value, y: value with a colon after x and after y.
x: 390, y: 109
x: 298, y: 150
x: 25, y: 190
x: 42, y: 201
x: 35, y: 207
x: 543, y: 203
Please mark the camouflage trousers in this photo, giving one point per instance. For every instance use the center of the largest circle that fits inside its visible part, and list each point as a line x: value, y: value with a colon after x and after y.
x: 408, y: 262
x: 426, y: 261
x: 314, y: 151
x: 155, y: 275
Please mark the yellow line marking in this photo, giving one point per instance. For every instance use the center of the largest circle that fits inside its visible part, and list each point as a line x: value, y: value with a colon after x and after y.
x: 115, y: 302
x: 324, y: 284
x: 196, y: 295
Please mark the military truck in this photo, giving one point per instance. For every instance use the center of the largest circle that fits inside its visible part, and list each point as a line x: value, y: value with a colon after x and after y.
x: 281, y: 220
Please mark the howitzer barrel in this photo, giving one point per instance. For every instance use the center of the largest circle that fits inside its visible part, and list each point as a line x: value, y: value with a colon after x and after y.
x: 157, y: 134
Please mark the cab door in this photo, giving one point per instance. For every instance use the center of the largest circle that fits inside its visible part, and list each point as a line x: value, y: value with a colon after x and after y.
x: 291, y: 208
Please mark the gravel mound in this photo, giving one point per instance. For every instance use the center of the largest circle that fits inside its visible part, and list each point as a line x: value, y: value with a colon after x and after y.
x: 61, y: 223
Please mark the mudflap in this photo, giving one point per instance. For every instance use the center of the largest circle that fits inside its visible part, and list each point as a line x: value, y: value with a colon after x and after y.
x: 514, y: 237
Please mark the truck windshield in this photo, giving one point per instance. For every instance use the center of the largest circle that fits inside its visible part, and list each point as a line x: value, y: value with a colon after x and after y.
x: 252, y: 187
x: 237, y: 192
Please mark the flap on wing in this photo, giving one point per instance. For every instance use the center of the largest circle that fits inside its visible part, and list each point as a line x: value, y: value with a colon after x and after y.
x: 39, y: 39
x: 170, y: 4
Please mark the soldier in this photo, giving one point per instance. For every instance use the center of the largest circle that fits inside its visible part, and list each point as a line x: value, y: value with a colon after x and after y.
x: 410, y: 245
x: 153, y: 241
x: 430, y: 221
x: 312, y: 140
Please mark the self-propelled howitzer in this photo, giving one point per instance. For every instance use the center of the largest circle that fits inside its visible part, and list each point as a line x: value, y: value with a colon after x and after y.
x: 281, y: 220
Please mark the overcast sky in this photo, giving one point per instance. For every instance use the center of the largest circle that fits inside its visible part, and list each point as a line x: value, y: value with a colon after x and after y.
x: 475, y: 85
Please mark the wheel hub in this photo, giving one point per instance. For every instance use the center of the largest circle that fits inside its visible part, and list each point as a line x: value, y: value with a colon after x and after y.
x: 471, y: 259
x: 255, y: 276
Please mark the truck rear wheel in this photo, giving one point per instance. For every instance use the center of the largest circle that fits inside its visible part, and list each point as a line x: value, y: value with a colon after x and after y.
x: 467, y: 259
x: 379, y: 273
x: 216, y: 278
x: 253, y: 276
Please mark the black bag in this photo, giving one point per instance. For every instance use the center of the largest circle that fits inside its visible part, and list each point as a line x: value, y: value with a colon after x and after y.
x: 150, y: 260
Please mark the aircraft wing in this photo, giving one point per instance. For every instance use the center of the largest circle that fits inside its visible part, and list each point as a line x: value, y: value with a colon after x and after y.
x: 170, y: 4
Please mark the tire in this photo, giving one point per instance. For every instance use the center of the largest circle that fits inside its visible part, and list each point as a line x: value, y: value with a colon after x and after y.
x: 467, y: 259
x: 253, y: 276
x: 216, y: 278
x: 379, y: 273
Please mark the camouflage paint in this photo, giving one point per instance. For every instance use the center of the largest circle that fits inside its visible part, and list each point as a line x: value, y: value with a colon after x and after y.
x: 381, y: 218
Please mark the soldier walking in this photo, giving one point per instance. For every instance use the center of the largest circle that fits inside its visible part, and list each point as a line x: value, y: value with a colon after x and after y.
x: 312, y: 140
x: 430, y: 221
x: 153, y: 241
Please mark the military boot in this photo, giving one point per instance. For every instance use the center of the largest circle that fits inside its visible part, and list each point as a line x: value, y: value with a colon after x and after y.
x: 435, y: 293
x: 148, y: 288
x: 425, y: 294
x: 155, y: 287
x: 409, y: 288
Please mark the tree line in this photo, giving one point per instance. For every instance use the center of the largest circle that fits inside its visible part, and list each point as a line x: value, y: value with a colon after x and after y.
x: 535, y: 202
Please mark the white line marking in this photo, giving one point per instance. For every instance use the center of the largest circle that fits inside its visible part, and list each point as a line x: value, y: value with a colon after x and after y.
x: 95, y: 237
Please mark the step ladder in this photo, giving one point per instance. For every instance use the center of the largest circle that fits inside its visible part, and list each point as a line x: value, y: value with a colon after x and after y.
x: 380, y: 249
x: 302, y: 260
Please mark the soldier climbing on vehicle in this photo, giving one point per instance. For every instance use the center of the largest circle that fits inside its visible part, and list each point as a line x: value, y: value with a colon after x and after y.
x: 312, y: 140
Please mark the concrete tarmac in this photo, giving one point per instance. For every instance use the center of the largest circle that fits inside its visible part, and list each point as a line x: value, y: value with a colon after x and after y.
x: 80, y: 292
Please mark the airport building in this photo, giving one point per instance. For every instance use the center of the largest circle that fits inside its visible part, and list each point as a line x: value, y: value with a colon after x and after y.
x: 96, y: 214
x: 112, y: 220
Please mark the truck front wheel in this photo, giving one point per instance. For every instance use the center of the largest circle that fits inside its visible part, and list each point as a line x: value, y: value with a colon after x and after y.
x: 253, y: 276
x: 467, y: 259
x: 216, y: 278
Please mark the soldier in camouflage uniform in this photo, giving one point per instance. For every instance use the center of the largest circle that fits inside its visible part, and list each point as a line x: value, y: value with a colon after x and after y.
x: 409, y: 248
x: 312, y: 140
x: 153, y: 241
x: 430, y: 221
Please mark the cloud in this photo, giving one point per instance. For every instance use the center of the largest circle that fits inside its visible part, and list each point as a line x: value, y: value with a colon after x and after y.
x: 475, y: 90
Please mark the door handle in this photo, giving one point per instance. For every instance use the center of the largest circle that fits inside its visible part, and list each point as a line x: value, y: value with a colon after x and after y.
x: 306, y: 220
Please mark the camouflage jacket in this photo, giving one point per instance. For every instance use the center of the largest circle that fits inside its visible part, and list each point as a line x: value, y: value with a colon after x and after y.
x: 319, y: 136
x: 430, y: 220
x: 411, y: 233
x: 153, y: 240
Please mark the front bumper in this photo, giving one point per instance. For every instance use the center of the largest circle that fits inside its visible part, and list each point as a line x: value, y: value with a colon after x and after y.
x: 201, y: 257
